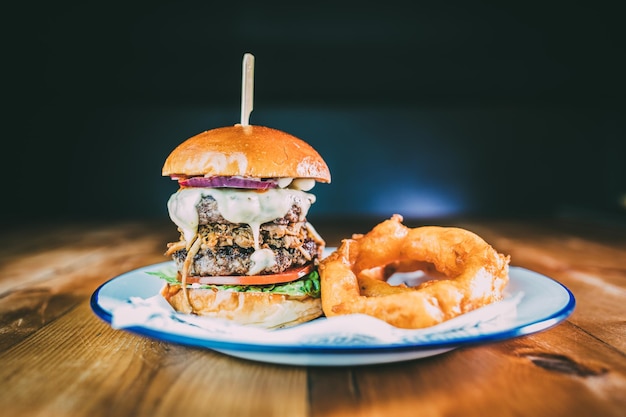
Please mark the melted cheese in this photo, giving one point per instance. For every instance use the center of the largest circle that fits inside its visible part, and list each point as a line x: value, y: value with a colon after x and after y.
x: 238, y: 206
x: 261, y: 259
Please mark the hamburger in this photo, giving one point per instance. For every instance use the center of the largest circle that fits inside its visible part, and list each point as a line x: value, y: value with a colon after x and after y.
x: 246, y: 251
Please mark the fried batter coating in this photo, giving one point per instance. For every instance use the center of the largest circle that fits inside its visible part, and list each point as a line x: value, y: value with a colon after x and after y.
x: 353, y: 278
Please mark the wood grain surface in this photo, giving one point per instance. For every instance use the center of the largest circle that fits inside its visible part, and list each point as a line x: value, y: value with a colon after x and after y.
x: 59, y: 359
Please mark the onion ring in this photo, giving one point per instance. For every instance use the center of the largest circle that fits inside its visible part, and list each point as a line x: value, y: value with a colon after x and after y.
x: 468, y: 273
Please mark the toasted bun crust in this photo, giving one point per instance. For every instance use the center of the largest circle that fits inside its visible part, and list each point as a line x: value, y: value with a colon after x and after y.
x: 270, y: 311
x: 251, y: 151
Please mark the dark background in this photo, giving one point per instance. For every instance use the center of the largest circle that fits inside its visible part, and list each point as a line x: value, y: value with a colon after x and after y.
x: 427, y: 109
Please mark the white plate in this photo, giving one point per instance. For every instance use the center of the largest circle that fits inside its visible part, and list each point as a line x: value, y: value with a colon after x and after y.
x: 533, y: 303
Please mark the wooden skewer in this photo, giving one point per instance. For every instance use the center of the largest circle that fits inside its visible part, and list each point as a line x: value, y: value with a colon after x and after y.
x: 247, y: 88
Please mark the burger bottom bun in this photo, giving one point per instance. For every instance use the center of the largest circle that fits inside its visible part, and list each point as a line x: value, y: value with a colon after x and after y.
x: 266, y: 310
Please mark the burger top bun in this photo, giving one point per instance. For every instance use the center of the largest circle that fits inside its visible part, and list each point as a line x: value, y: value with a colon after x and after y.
x: 247, y: 151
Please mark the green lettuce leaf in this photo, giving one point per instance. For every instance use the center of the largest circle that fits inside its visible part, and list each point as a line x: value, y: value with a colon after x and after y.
x: 307, y: 285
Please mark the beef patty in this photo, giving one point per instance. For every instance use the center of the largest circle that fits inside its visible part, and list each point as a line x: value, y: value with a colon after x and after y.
x: 234, y: 260
x: 208, y: 212
x: 226, y: 247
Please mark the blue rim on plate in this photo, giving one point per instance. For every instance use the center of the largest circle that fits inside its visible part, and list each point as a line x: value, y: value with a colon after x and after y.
x: 544, y: 304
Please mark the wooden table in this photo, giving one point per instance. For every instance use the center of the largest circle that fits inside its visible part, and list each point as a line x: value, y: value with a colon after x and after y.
x: 59, y: 359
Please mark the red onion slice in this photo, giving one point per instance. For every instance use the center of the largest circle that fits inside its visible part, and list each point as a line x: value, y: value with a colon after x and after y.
x: 227, y: 182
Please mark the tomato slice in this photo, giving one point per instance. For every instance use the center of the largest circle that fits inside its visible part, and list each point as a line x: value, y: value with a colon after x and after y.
x: 287, y: 276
